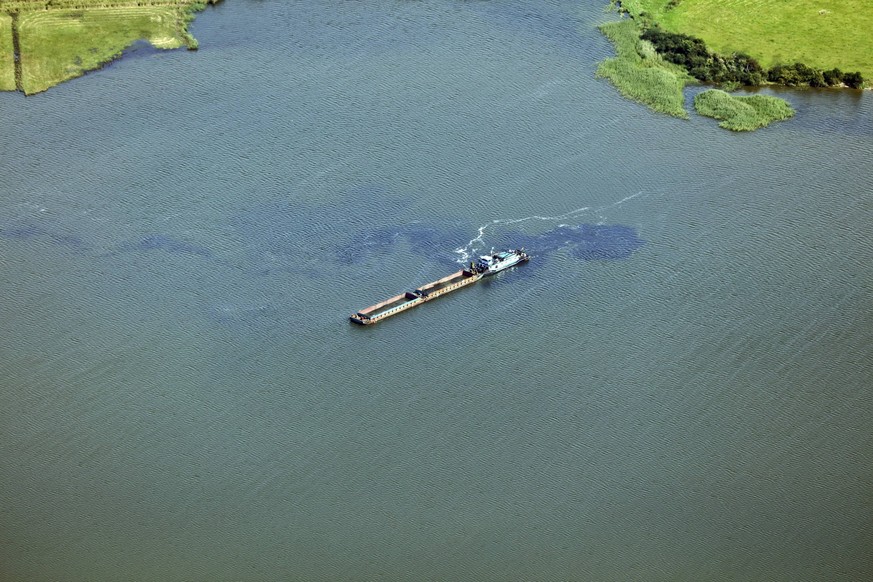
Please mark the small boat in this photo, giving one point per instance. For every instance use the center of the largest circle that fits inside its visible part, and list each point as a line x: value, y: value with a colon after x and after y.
x: 482, y: 267
x: 494, y: 263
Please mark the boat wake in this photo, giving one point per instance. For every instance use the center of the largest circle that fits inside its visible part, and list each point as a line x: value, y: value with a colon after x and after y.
x: 476, y: 244
x: 620, y: 202
x: 590, y: 240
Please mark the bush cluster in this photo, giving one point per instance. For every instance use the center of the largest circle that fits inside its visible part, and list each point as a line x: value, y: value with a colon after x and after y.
x: 738, y: 68
x: 692, y: 54
x: 800, y: 74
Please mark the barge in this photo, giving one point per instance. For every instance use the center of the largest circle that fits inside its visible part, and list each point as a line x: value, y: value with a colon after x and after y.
x: 483, y: 267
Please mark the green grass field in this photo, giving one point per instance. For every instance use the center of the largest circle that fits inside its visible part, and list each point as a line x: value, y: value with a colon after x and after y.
x: 57, y: 45
x: 7, y: 64
x: 63, y: 39
x: 820, y: 33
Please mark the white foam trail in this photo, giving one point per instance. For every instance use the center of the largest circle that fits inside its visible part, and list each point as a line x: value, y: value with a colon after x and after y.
x: 601, y: 219
x: 620, y: 202
x: 466, y: 252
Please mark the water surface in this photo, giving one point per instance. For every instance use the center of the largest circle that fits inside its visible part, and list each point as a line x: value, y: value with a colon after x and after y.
x: 676, y: 387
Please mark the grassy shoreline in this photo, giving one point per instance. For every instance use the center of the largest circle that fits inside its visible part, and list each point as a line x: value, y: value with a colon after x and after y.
x: 772, y: 31
x: 639, y: 73
x: 59, y: 40
x: 778, y: 45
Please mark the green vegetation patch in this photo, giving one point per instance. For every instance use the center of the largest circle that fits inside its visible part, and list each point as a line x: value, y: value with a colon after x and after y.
x: 7, y: 60
x: 742, y: 113
x: 57, y: 45
x: 61, y: 39
x: 822, y: 35
x: 639, y: 73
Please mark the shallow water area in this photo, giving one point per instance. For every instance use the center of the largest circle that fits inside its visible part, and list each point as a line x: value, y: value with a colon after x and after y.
x: 676, y: 386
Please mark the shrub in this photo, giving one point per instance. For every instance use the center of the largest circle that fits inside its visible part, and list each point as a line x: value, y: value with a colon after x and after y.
x: 800, y: 74
x: 853, y: 80
x: 833, y: 77
x: 782, y: 74
x: 691, y: 53
x: 680, y: 49
x: 738, y: 68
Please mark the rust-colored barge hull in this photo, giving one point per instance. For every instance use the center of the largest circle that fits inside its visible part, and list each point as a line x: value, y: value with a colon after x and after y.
x: 484, y: 266
x: 410, y: 299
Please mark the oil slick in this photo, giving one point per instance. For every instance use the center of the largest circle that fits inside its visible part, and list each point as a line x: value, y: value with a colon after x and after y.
x: 284, y: 237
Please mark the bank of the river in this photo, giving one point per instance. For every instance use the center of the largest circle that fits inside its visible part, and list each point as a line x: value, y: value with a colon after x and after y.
x: 772, y: 31
x: 668, y: 43
x: 44, y: 43
x: 641, y: 74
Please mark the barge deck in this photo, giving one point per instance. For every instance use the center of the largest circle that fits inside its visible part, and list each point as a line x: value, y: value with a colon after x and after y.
x: 487, y: 265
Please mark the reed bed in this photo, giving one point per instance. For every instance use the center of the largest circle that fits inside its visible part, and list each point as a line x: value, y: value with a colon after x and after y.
x: 639, y: 73
x: 742, y: 113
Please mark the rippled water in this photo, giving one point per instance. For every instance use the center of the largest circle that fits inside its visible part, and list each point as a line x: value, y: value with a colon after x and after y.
x: 678, y: 386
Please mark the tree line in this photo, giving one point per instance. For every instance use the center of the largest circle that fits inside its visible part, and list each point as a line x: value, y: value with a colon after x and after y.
x: 738, y: 68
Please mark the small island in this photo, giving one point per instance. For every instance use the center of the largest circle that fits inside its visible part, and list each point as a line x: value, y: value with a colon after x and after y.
x: 46, y: 42
x: 663, y: 45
